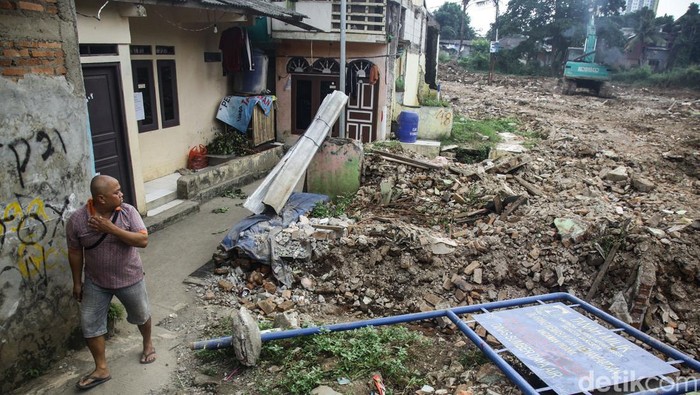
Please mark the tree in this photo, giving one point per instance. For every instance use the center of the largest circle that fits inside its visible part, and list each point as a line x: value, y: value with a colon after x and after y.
x: 647, y: 32
x: 558, y: 24
x: 449, y: 17
x: 685, y: 49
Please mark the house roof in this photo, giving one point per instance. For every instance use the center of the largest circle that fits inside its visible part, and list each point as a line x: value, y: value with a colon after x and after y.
x: 254, y: 7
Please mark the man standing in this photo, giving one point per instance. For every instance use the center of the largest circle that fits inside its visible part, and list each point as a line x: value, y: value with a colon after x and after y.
x: 103, y: 237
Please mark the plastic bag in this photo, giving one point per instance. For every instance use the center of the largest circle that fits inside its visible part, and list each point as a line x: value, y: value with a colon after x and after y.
x: 197, y: 158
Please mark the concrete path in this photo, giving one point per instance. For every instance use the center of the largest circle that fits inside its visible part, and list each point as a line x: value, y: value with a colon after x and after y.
x: 172, y: 254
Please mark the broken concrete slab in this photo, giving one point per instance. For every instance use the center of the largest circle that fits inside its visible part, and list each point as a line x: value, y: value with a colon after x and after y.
x: 618, y: 174
x: 572, y: 230
x: 429, y: 149
x: 246, y: 340
x: 642, y: 184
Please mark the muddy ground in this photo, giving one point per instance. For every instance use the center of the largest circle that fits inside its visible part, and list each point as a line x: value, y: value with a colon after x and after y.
x: 625, y: 170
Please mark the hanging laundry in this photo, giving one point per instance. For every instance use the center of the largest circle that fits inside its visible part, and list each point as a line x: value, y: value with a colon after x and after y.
x: 373, y: 74
x: 238, y: 110
x: 235, y: 49
x: 351, y: 82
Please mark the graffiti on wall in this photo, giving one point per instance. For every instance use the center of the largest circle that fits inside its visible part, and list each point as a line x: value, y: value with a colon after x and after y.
x: 35, y: 232
x: 30, y: 221
x: 22, y: 149
x: 444, y: 117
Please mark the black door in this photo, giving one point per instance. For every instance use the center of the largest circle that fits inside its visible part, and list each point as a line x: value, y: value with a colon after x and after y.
x: 308, y: 92
x: 109, y: 143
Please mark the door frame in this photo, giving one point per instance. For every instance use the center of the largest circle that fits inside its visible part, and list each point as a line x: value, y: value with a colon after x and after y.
x: 315, y: 98
x: 116, y: 70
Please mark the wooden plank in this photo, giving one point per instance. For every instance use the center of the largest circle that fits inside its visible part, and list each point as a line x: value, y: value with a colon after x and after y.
x: 263, y: 126
x: 608, y: 261
x: 512, y: 207
x: 604, y: 269
x: 403, y: 162
x: 529, y: 187
x: 407, y: 160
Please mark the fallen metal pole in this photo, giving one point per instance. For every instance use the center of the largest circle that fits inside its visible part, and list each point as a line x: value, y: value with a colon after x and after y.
x: 224, y: 342
x: 493, y: 355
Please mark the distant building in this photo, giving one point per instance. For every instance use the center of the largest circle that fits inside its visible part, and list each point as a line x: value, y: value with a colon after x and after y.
x: 636, y: 5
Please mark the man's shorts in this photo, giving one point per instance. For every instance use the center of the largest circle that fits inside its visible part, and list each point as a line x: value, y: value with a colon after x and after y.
x: 95, y: 306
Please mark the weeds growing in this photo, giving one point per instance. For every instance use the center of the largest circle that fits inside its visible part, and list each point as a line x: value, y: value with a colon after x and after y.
x: 333, y: 208
x: 355, y: 354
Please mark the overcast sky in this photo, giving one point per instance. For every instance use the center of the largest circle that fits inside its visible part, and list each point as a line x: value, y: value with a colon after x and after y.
x: 482, y: 16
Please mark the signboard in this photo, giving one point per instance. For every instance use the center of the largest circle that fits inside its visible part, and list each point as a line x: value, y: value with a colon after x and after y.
x: 568, y: 351
x: 495, y: 47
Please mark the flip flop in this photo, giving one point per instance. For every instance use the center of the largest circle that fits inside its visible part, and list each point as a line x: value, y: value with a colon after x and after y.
x: 144, y: 357
x: 94, y: 383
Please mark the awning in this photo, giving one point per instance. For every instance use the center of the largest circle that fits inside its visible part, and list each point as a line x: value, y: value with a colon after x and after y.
x: 252, y: 7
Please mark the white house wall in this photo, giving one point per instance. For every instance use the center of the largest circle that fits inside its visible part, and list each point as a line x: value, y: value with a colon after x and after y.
x: 415, y: 30
x: 318, y: 15
x: 200, y: 86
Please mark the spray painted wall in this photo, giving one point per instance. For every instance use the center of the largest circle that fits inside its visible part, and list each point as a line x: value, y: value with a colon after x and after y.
x: 44, y: 165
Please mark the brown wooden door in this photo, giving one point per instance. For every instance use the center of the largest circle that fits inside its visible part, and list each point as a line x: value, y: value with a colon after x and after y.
x: 105, y: 111
x: 360, y: 118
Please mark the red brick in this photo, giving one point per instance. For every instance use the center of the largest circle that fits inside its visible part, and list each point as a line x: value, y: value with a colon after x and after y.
x: 41, y: 53
x: 25, y: 5
x: 49, y: 44
x: 60, y: 70
x: 6, y: 5
x: 27, y: 44
x: 7, y: 44
x: 5, y: 62
x: 52, y: 9
x: 42, y: 70
x: 14, y: 53
x: 28, y: 62
x: 15, y: 71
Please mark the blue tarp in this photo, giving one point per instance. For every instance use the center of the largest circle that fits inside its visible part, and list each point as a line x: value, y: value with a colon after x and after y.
x: 237, y: 110
x: 251, y: 235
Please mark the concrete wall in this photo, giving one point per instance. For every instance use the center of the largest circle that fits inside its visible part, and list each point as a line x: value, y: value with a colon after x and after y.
x: 200, y: 85
x: 44, y: 152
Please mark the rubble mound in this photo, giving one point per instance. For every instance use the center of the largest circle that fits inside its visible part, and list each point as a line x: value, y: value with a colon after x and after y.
x: 603, y: 206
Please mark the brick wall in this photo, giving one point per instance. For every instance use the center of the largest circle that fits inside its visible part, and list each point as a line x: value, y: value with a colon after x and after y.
x: 27, y: 56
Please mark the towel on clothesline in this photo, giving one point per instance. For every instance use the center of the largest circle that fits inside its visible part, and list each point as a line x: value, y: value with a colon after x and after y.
x: 238, y: 110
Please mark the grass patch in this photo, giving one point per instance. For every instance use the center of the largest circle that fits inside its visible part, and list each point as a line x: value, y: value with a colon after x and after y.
x: 234, y: 193
x: 532, y: 137
x: 354, y: 354
x: 388, y: 145
x: 431, y: 100
x: 475, y: 132
x: 334, y: 208
x: 687, y: 77
x: 473, y: 358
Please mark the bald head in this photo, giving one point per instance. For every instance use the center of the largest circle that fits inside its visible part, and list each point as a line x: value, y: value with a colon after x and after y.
x: 101, y: 185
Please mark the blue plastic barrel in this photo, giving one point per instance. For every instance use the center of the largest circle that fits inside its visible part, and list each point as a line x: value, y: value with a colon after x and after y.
x: 408, y: 127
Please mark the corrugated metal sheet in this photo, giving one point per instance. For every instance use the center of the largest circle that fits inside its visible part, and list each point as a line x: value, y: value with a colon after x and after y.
x: 253, y: 7
x: 280, y: 182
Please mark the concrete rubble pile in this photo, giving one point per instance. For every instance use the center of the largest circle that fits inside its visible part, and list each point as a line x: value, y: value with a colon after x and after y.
x: 441, y: 240
x: 572, y: 214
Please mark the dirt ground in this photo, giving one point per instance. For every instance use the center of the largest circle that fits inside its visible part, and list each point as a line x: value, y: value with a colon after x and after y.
x: 625, y: 169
